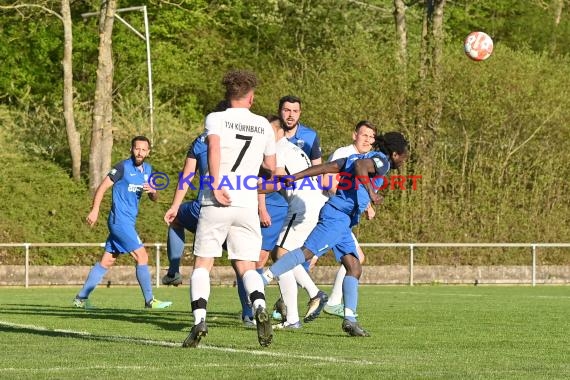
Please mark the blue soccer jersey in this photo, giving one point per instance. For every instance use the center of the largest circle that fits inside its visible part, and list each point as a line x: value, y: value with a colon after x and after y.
x: 128, y: 181
x: 352, y: 197
x: 307, y: 139
x: 189, y: 212
x: 342, y: 211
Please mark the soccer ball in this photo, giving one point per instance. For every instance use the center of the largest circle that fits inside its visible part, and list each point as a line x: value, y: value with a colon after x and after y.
x: 478, y: 46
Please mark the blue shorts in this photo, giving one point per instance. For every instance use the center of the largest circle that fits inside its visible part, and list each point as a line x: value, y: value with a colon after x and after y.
x: 332, y: 232
x: 270, y: 235
x: 188, y: 214
x: 123, y: 238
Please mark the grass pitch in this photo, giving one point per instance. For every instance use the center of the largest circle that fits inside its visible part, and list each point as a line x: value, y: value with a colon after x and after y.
x: 426, y: 332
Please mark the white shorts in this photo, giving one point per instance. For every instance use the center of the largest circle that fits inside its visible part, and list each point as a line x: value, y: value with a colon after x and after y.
x: 238, y: 225
x: 296, y: 229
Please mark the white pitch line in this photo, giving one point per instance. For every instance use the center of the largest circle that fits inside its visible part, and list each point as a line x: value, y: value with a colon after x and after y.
x: 110, y: 338
x: 135, y: 367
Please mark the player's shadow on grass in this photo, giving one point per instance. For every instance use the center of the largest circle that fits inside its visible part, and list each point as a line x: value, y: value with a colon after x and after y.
x: 56, y: 333
x: 170, y: 320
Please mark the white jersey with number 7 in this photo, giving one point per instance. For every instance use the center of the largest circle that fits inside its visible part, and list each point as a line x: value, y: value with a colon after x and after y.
x: 245, y: 138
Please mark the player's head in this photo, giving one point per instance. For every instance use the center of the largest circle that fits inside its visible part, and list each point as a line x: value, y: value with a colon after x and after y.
x: 290, y: 111
x: 394, y: 145
x: 275, y: 122
x: 363, y: 136
x: 140, y: 149
x: 240, y: 85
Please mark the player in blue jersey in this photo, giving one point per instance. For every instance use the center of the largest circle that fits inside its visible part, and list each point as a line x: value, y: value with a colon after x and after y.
x: 181, y: 216
x: 129, y: 180
x: 361, y: 176
x: 297, y: 133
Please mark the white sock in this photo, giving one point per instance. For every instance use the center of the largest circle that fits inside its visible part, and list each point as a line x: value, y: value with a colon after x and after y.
x: 252, y: 281
x: 288, y: 287
x: 336, y: 294
x: 305, y: 281
x: 199, y: 288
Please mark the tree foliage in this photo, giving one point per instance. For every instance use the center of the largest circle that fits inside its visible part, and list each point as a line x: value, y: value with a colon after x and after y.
x: 496, y: 169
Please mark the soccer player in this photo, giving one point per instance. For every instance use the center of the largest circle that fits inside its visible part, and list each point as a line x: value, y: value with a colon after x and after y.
x: 181, y: 216
x: 184, y: 216
x: 272, y: 207
x: 308, y: 140
x: 239, y: 142
x: 297, y: 133
x: 305, y: 202
x: 363, y: 138
x: 129, y: 180
x: 361, y: 176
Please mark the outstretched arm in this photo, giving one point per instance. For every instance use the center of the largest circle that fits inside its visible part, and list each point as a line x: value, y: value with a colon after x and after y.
x: 328, y: 167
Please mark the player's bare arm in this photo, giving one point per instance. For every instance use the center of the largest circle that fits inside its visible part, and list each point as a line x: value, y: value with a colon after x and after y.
x: 97, y: 199
x: 181, y: 190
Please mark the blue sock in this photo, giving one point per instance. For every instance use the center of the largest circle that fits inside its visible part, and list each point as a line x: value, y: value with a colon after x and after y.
x: 287, y: 262
x: 143, y: 277
x: 350, y: 294
x: 93, y: 279
x: 175, y: 249
x: 243, y: 297
x: 307, y: 265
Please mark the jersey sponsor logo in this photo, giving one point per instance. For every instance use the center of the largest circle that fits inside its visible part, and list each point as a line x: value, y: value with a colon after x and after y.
x: 134, y: 188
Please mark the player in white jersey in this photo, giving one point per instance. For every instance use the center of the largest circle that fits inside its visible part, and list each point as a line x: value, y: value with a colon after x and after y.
x: 363, y: 137
x: 239, y: 142
x: 305, y: 202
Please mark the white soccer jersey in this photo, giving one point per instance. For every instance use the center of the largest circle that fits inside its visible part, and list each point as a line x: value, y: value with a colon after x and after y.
x: 281, y: 149
x: 343, y: 152
x: 307, y: 195
x: 245, y: 138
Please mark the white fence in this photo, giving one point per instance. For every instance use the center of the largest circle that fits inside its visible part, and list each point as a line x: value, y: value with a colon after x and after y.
x: 533, y: 247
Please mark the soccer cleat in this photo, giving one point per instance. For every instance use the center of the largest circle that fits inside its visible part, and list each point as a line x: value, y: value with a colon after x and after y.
x: 315, y: 306
x: 287, y: 326
x: 337, y: 310
x: 279, y: 310
x: 156, y: 304
x: 198, y: 331
x: 174, y: 281
x: 263, y: 324
x: 82, y: 303
x: 249, y: 322
x: 353, y: 328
